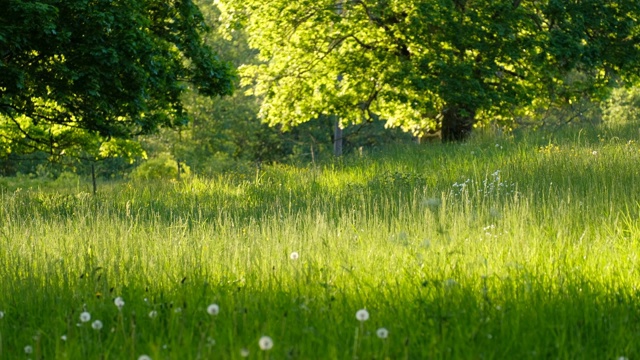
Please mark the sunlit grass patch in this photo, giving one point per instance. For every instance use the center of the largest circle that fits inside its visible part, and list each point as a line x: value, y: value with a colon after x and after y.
x: 527, y: 249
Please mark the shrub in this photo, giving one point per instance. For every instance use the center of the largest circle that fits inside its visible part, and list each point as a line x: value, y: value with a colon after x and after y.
x: 623, y: 107
x: 162, y: 167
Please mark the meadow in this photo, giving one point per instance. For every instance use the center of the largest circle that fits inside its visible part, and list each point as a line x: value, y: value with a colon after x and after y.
x: 522, y: 246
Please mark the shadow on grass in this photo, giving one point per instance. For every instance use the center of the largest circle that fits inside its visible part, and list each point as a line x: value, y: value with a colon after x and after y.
x: 521, y: 317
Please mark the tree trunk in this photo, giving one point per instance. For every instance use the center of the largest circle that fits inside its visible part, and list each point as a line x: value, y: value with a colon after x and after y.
x: 337, y: 137
x: 93, y: 179
x: 457, y: 123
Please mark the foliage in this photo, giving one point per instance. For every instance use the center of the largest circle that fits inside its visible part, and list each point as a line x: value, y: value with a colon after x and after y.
x: 580, y: 109
x: 425, y: 65
x: 162, y: 167
x: 75, y: 75
x: 623, y: 107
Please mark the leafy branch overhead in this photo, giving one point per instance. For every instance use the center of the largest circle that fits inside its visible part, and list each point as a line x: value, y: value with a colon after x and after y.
x: 429, y: 65
x: 113, y: 68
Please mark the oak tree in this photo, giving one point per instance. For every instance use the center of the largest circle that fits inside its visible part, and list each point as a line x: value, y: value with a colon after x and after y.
x: 428, y: 65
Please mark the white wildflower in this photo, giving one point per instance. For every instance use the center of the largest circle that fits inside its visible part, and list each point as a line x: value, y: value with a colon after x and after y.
x: 96, y: 325
x: 382, y: 333
x: 294, y: 255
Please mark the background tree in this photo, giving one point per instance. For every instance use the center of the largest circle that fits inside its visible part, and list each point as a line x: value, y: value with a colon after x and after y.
x: 225, y: 134
x: 76, y: 74
x: 430, y: 65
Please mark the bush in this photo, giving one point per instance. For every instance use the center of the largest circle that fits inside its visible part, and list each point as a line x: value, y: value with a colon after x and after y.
x: 162, y: 167
x: 623, y: 107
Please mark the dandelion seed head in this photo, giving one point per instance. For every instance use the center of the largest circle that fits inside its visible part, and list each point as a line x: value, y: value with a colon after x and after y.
x: 28, y: 349
x: 96, y: 325
x: 153, y: 314
x: 594, y: 153
x: 265, y: 342
x: 434, y: 203
x: 144, y: 357
x: 294, y: 255
x: 211, y: 341
x: 213, y: 309
x: 85, y: 316
x: 177, y: 310
x: 63, y: 337
x: 1, y: 314
x: 244, y: 352
x: 382, y: 333
x: 119, y: 302
x: 362, y: 315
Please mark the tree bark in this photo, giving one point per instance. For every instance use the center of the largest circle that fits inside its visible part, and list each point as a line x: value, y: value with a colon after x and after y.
x: 457, y: 123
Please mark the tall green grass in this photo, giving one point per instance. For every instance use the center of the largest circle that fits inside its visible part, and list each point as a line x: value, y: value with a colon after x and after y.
x: 508, y: 247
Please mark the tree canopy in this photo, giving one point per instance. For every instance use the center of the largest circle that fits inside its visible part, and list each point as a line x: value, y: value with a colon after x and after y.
x: 79, y: 72
x: 427, y: 65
